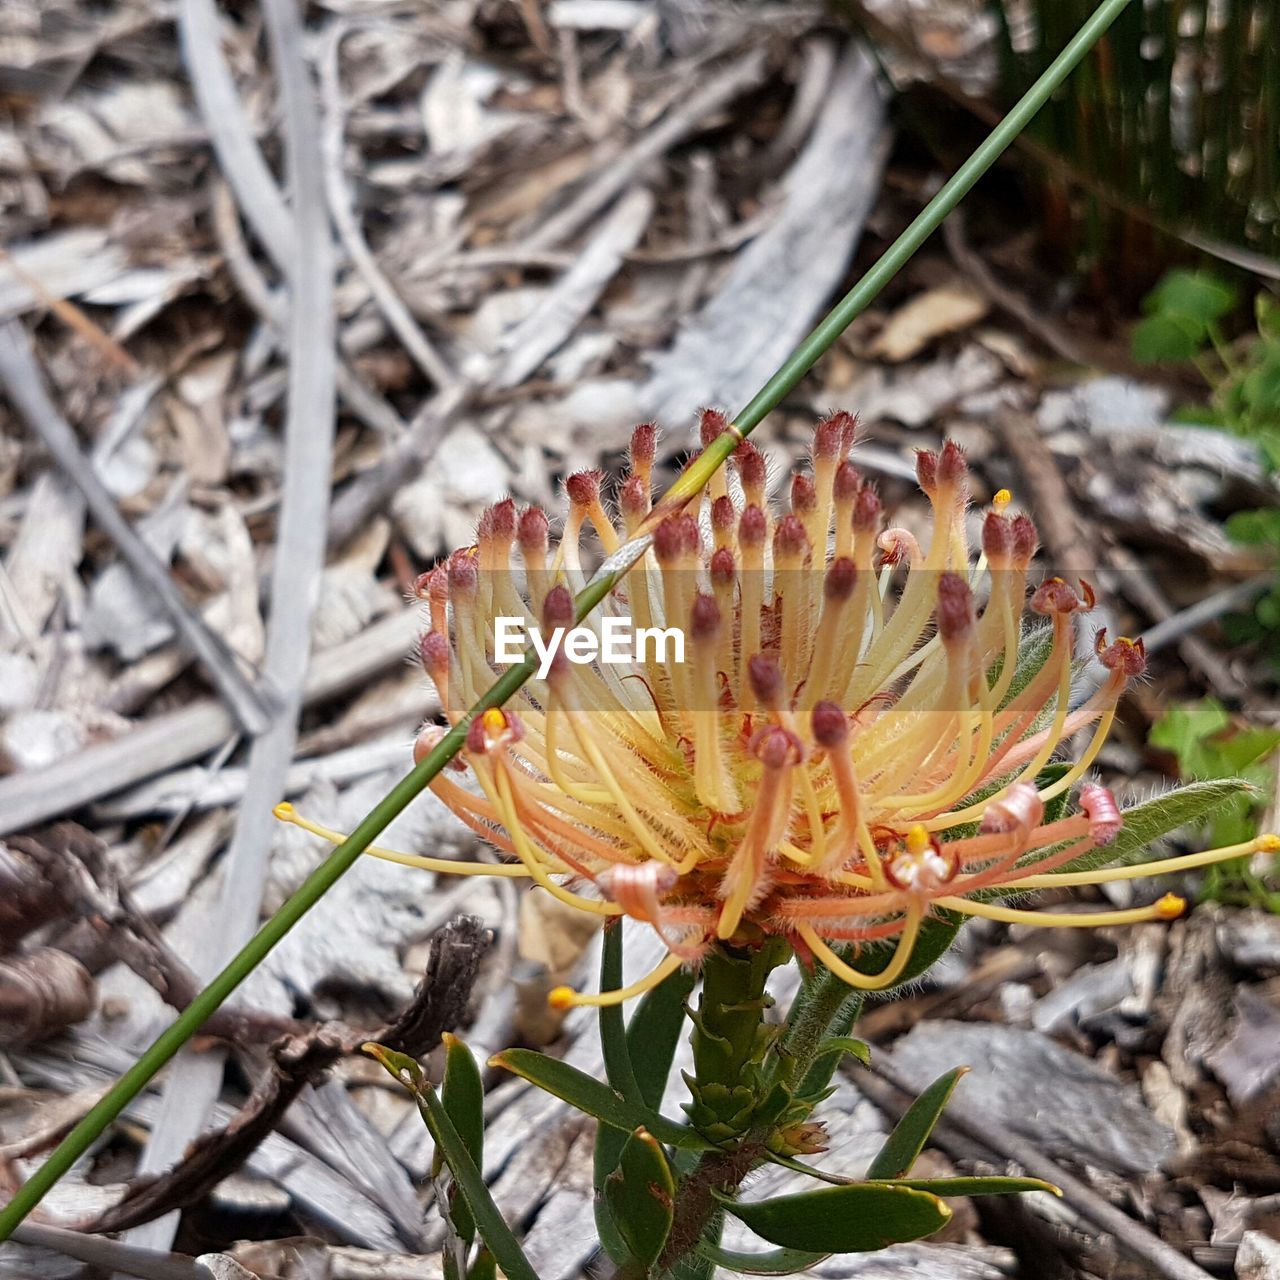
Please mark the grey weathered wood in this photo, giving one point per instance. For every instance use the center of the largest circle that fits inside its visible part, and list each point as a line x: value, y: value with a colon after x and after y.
x: 780, y: 281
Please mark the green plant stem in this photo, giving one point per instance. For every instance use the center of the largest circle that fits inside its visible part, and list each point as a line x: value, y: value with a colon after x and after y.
x: 82, y: 1137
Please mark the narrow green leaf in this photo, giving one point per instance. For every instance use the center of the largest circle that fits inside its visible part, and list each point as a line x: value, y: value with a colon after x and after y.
x: 976, y: 1186
x: 641, y: 1194
x: 462, y: 1096
x: 655, y: 1031
x: 910, y: 1134
x: 485, y: 1267
x: 493, y: 1230
x: 594, y: 1097
x: 613, y: 1031
x: 1145, y: 823
x: 1057, y: 806
x: 652, y: 1036
x: 774, y: 1262
x: 860, y: 1049
x: 859, y: 1218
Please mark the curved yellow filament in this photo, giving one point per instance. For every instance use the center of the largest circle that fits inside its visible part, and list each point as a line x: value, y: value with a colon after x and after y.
x: 1160, y: 867
x: 568, y: 998
x: 1170, y: 907
x: 869, y: 982
x: 285, y: 812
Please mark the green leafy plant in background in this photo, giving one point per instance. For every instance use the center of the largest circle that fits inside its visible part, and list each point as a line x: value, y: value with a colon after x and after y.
x: 1172, y: 124
x: 1184, y: 321
x: 1208, y: 743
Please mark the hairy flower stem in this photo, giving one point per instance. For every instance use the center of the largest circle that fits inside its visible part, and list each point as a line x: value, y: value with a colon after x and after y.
x: 734, y: 1101
x: 696, y: 1206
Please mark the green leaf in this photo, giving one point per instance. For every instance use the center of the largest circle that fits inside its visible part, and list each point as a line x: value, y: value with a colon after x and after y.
x: 977, y: 1186
x: 1255, y: 528
x: 653, y: 1033
x: 613, y: 1031
x: 775, y: 1262
x: 1055, y: 808
x: 859, y: 1218
x: 462, y: 1096
x: 489, y: 1222
x: 909, y: 1135
x: 937, y: 933
x: 485, y: 1267
x: 1166, y: 337
x: 1195, y: 295
x: 594, y: 1097
x: 1146, y: 823
x: 641, y: 1194
x: 841, y: 1045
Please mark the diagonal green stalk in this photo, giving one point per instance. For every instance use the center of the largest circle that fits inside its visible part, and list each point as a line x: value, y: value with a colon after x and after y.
x: 82, y: 1137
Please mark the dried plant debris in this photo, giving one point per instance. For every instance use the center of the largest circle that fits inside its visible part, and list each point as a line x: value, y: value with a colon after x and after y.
x: 550, y: 221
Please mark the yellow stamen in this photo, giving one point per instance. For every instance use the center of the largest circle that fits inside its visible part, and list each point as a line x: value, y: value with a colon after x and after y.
x: 497, y: 787
x: 1170, y: 907
x: 1001, y: 499
x: 568, y: 998
x: 1160, y: 867
x: 868, y: 982
x: 285, y: 812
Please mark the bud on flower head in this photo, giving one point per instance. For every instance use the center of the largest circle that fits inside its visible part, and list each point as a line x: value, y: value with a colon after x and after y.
x: 633, y: 497
x: 766, y: 680
x: 722, y: 514
x: 499, y: 521
x: 557, y: 608
x: 674, y: 538
x: 830, y: 725
x: 840, y: 580
x: 463, y: 577
x: 997, y: 538
x: 955, y: 608
x: 776, y: 747
x: 434, y: 652
x: 722, y: 567
x: 533, y: 529
x: 644, y: 444
x: 752, y: 527
x: 704, y: 622
x: 1024, y: 540
x: 804, y: 496
x: 866, y: 510
x: 829, y: 435
x: 583, y: 488
x: 846, y: 482
x: 789, y: 539
x: 952, y: 467
x: 927, y: 469
x: 712, y: 423
x: 751, y: 469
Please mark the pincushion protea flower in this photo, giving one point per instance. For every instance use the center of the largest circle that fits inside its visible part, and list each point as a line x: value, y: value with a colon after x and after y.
x: 832, y: 763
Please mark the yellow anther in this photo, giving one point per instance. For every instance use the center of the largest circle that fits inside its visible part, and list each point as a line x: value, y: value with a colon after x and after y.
x: 284, y: 811
x: 562, y: 997
x: 494, y: 720
x: 917, y: 839
x: 1268, y: 843
x: 1001, y: 499
x: 1170, y: 907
